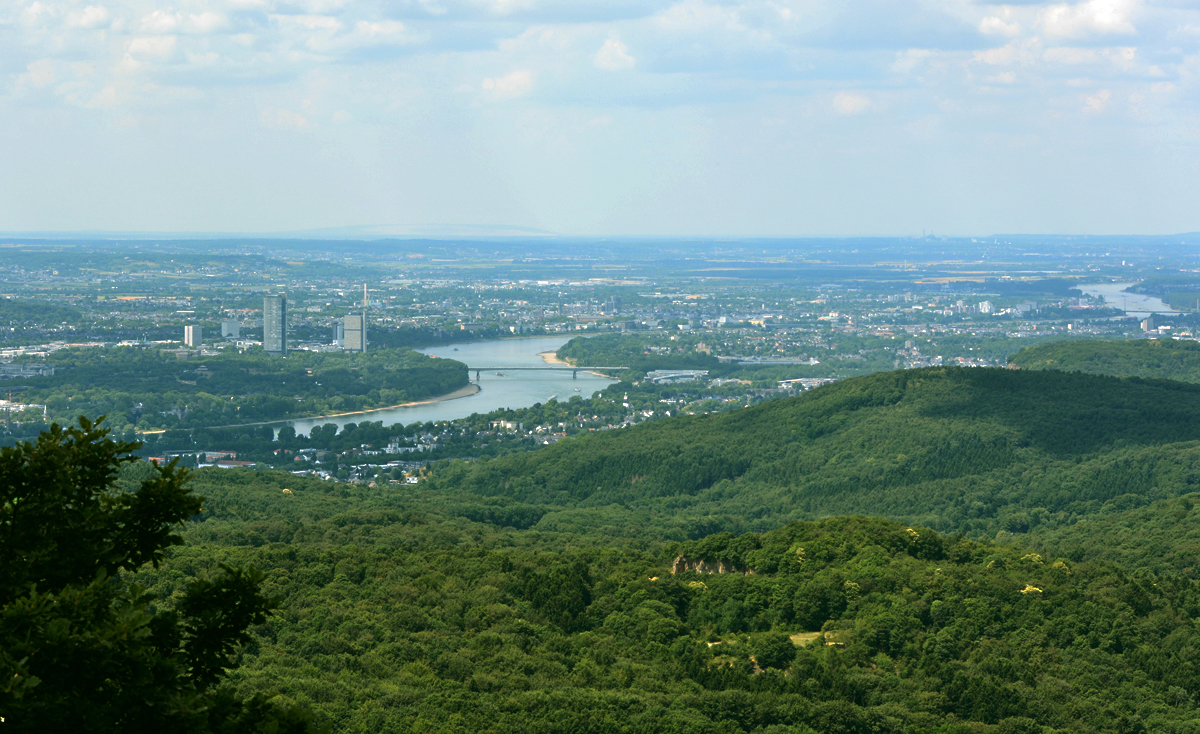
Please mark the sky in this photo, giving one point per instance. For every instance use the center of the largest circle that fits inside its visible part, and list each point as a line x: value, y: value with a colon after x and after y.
x: 602, y: 117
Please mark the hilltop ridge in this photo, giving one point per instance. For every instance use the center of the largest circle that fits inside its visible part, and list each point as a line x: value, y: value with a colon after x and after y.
x: 1147, y: 358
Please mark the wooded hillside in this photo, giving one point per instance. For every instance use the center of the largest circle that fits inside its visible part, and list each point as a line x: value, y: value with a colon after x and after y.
x: 1150, y: 358
x: 959, y: 450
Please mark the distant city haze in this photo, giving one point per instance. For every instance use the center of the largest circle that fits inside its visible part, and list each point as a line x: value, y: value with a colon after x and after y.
x: 640, y: 117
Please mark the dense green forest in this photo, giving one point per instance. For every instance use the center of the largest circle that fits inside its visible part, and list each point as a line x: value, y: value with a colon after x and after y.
x: 19, y: 315
x: 150, y: 389
x: 961, y: 450
x: 1165, y: 358
x: 1037, y: 571
x: 400, y: 612
x: 615, y: 350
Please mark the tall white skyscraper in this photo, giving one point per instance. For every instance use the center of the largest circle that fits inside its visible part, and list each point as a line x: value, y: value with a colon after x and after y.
x: 193, y: 335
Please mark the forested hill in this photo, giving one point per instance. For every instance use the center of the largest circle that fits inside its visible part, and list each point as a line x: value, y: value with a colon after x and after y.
x: 396, y: 616
x: 1165, y: 358
x: 971, y: 450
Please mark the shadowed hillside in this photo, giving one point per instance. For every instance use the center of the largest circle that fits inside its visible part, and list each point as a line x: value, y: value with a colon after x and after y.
x: 974, y: 450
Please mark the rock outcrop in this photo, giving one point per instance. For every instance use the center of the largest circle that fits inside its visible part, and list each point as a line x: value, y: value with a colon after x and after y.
x: 683, y: 563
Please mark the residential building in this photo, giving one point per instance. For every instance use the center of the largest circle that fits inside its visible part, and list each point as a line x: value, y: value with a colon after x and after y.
x: 231, y: 330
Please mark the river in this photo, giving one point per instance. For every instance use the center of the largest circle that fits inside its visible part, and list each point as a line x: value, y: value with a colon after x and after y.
x: 1134, y: 304
x: 514, y: 389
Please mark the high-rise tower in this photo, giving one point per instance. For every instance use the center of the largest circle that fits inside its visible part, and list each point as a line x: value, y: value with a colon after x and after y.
x: 275, y: 324
x: 354, y: 332
x: 193, y: 335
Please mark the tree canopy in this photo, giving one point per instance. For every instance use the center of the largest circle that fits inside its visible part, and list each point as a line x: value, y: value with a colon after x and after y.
x: 82, y: 647
x: 1147, y: 358
x: 151, y: 389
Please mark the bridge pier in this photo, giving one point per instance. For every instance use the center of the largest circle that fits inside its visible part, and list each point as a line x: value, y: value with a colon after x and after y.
x: 574, y: 374
x: 476, y: 375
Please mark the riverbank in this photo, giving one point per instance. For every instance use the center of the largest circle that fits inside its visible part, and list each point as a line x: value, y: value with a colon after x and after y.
x: 462, y: 392
x: 552, y: 358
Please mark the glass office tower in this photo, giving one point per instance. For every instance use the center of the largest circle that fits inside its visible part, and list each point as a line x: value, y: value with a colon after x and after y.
x: 275, y: 324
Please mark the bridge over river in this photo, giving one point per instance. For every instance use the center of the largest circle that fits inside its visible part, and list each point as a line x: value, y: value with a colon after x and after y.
x: 573, y: 369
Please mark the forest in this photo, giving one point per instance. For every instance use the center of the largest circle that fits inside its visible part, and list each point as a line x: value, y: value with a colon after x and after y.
x: 1031, y: 566
x: 977, y: 451
x: 1150, y: 358
x: 149, y: 389
x: 637, y: 353
x: 402, y: 612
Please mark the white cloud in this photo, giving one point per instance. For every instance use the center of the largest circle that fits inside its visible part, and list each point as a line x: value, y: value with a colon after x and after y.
x: 107, y: 97
x: 35, y: 13
x: 40, y: 73
x: 1097, y: 102
x: 613, y: 56
x: 1006, y: 54
x: 380, y: 33
x: 908, y: 60
x: 994, y: 26
x: 282, y: 119
x: 1067, y: 55
x: 1121, y: 56
x: 160, y: 21
x: 197, y: 60
x: 325, y: 23
x: 1087, y: 18
x: 506, y: 7
x: 539, y: 37
x: 151, y: 47
x: 206, y: 22
x: 383, y: 30
x: 695, y: 15
x: 850, y: 103
x: 93, y: 16
x: 510, y: 86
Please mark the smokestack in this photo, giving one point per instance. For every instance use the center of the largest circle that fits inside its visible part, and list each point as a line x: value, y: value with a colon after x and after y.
x: 366, y: 301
